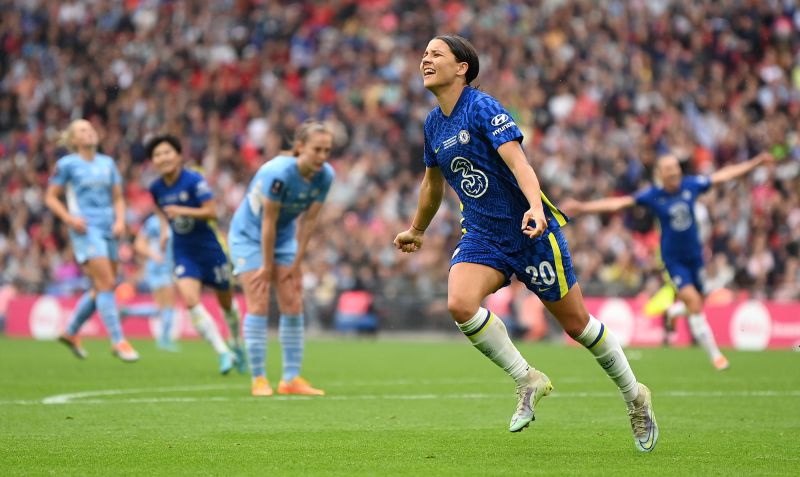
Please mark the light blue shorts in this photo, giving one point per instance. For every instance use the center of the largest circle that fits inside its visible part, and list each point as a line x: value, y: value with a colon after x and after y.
x: 246, y: 254
x: 93, y: 244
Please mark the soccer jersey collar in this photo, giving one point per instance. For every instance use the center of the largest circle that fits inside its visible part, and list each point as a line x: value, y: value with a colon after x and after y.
x: 459, y: 104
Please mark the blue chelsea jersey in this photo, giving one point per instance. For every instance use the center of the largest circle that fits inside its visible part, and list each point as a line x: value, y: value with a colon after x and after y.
x: 464, y: 147
x: 279, y: 180
x: 675, y: 211
x: 88, y: 187
x: 189, y: 190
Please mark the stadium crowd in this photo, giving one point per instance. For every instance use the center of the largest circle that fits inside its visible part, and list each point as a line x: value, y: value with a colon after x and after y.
x: 599, y: 87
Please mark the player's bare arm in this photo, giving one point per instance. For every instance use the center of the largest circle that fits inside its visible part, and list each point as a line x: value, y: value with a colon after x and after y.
x: 735, y: 171
x: 431, y: 193
x: 206, y: 211
x: 514, y: 157
x: 118, y: 228
x: 269, y: 220
x: 308, y: 223
x: 608, y: 205
x: 53, y: 202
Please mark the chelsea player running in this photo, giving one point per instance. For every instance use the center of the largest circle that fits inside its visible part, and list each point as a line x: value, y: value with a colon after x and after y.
x: 681, y: 251
x: 95, y: 214
x: 186, y: 205
x: 267, y: 248
x: 509, y: 227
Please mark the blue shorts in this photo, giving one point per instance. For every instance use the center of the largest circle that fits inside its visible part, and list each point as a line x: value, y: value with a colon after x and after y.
x: 545, y: 266
x: 208, y: 266
x: 93, y: 244
x: 246, y: 253
x: 685, y: 272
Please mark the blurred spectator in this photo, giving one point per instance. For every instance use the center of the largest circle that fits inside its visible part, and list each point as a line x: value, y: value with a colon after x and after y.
x: 599, y: 87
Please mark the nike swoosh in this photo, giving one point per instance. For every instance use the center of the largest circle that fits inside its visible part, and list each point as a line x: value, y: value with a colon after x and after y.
x: 647, y: 444
x: 436, y: 151
x: 542, y: 290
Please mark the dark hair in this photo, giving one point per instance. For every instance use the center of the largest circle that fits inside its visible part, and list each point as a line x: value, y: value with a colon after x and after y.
x: 167, y: 138
x: 464, y: 52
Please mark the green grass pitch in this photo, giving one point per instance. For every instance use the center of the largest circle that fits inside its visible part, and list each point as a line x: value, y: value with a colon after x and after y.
x: 393, y: 408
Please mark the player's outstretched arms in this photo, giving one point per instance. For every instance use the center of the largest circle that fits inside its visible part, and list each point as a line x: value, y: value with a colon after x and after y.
x: 431, y: 193
x: 735, y: 171
x: 574, y: 208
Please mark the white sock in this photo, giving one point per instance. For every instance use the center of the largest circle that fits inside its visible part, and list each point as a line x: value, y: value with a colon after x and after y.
x: 602, y: 343
x: 487, y: 332
x: 676, y: 309
x: 205, y: 325
x: 232, y: 319
x: 703, y: 335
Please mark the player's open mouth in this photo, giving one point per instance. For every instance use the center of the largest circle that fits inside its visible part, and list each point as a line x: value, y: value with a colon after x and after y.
x: 426, y: 72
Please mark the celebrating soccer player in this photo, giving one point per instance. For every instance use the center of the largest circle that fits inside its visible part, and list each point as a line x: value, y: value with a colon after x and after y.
x: 268, y: 248
x: 186, y: 205
x: 95, y: 214
x: 681, y: 251
x: 509, y: 227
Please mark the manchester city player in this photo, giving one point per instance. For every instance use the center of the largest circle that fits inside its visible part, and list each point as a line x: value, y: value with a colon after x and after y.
x: 267, y: 247
x: 509, y: 227
x: 186, y: 205
x: 157, y: 273
x: 95, y: 214
x: 681, y: 251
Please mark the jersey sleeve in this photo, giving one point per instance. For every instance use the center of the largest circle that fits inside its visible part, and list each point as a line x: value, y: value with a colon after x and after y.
x: 202, y: 190
x: 116, y: 177
x: 428, y: 153
x: 330, y: 174
x: 645, y: 197
x: 699, y: 184
x: 273, y: 184
x: 494, y: 122
x: 61, y: 174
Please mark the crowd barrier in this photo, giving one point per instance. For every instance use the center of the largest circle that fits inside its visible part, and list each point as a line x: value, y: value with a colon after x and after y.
x: 745, y: 325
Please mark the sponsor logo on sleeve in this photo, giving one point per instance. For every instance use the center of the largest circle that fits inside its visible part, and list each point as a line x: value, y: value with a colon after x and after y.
x: 277, y: 186
x: 499, y: 119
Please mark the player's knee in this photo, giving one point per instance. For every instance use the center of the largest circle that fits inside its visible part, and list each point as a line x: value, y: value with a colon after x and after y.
x: 461, y: 310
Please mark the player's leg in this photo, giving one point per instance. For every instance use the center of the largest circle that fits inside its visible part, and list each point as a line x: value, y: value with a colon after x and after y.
x: 552, y: 278
x: 190, y: 288
x: 230, y: 312
x: 467, y: 287
x: 247, y: 259
x: 255, y: 330
x: 698, y: 325
x: 102, y: 271
x: 291, y: 330
x: 86, y: 304
x: 687, y: 280
x: 164, y: 297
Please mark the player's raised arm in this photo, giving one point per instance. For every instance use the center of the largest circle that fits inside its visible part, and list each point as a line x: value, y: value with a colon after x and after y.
x: 737, y: 170
x: 608, y: 205
x: 431, y: 192
x: 514, y: 157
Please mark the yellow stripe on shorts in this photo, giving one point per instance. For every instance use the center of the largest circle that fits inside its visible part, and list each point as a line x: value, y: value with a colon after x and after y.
x: 562, y: 221
x: 560, y: 275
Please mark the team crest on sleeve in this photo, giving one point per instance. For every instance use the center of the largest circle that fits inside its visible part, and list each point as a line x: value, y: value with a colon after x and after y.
x: 474, y: 182
x: 463, y: 136
x: 277, y: 186
x: 203, y: 188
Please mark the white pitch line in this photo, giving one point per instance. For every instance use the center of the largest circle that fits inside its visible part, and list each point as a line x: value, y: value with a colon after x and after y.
x: 91, y: 397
